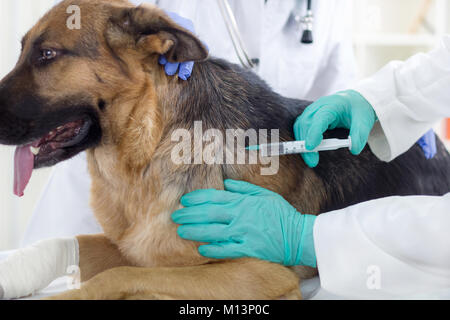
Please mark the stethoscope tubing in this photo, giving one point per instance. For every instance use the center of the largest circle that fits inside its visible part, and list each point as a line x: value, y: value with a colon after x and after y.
x: 235, y: 35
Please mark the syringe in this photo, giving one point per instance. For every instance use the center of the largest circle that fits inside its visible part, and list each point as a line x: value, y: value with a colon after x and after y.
x: 297, y: 147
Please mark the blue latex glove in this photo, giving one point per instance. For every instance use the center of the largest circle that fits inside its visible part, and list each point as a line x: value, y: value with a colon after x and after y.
x: 184, y: 69
x: 347, y: 109
x: 428, y: 144
x: 247, y: 221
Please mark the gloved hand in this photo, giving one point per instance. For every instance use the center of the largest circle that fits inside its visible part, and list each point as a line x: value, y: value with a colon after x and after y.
x: 247, y: 221
x: 428, y: 144
x: 184, y: 69
x: 347, y: 109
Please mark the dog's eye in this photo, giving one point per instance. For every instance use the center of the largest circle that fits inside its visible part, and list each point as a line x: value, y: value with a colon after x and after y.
x: 47, y: 54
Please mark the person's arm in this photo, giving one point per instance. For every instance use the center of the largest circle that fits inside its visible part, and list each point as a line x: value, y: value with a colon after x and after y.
x: 395, y: 107
x: 389, y: 248
x: 409, y: 98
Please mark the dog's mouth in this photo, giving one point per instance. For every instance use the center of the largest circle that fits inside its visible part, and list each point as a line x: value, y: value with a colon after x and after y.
x: 60, y: 144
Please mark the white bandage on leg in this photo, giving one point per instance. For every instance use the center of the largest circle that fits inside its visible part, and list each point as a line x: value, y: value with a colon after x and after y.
x: 29, y: 270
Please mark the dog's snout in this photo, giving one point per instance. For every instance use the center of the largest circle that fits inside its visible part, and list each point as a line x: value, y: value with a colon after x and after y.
x: 12, y: 129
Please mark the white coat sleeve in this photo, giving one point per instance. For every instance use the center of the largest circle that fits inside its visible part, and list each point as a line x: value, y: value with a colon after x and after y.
x: 409, y: 98
x: 390, y: 248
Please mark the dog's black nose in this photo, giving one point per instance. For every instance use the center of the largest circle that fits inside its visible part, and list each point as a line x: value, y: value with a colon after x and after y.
x: 12, y: 128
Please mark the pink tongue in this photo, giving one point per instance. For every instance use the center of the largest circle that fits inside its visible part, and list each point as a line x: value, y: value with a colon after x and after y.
x: 23, y: 168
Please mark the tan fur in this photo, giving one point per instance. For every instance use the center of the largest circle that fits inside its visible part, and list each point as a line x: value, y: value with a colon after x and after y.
x: 243, y: 279
x: 135, y: 186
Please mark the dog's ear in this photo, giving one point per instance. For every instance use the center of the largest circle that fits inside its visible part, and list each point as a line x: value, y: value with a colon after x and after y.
x: 150, y: 30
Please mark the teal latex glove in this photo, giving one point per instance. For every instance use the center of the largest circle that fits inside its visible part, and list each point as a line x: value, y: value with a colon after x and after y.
x: 347, y: 109
x: 247, y: 221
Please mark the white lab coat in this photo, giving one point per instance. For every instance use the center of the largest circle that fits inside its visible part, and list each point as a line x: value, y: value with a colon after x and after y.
x: 397, y: 247
x: 291, y: 68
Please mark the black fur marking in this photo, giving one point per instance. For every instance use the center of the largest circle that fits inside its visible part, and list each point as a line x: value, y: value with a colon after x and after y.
x: 92, y: 139
x: 99, y: 79
x: 225, y: 96
x: 102, y: 104
x: 122, y: 65
x: 18, y: 109
x: 87, y: 46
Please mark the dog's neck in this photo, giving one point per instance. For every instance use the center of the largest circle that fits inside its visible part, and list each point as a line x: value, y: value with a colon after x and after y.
x: 218, y: 94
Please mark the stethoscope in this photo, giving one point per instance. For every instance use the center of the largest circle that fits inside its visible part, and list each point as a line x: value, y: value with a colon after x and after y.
x: 305, y: 24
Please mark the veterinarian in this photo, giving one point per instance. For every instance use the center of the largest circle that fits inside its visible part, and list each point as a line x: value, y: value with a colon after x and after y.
x: 396, y: 247
x: 271, y: 35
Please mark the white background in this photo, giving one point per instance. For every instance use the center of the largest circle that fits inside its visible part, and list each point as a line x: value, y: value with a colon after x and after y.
x: 381, y: 34
x: 16, y: 18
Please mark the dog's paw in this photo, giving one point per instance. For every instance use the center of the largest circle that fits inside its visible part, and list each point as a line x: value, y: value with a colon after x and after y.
x: 103, y: 286
x: 69, y: 295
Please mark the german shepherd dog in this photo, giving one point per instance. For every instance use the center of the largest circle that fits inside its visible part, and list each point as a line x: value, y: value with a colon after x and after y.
x: 100, y: 88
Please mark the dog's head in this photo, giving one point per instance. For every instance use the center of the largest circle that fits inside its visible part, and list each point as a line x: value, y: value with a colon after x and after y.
x: 78, y: 70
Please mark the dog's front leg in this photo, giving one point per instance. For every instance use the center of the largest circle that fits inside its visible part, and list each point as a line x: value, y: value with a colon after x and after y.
x: 98, y: 254
x: 244, y: 279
